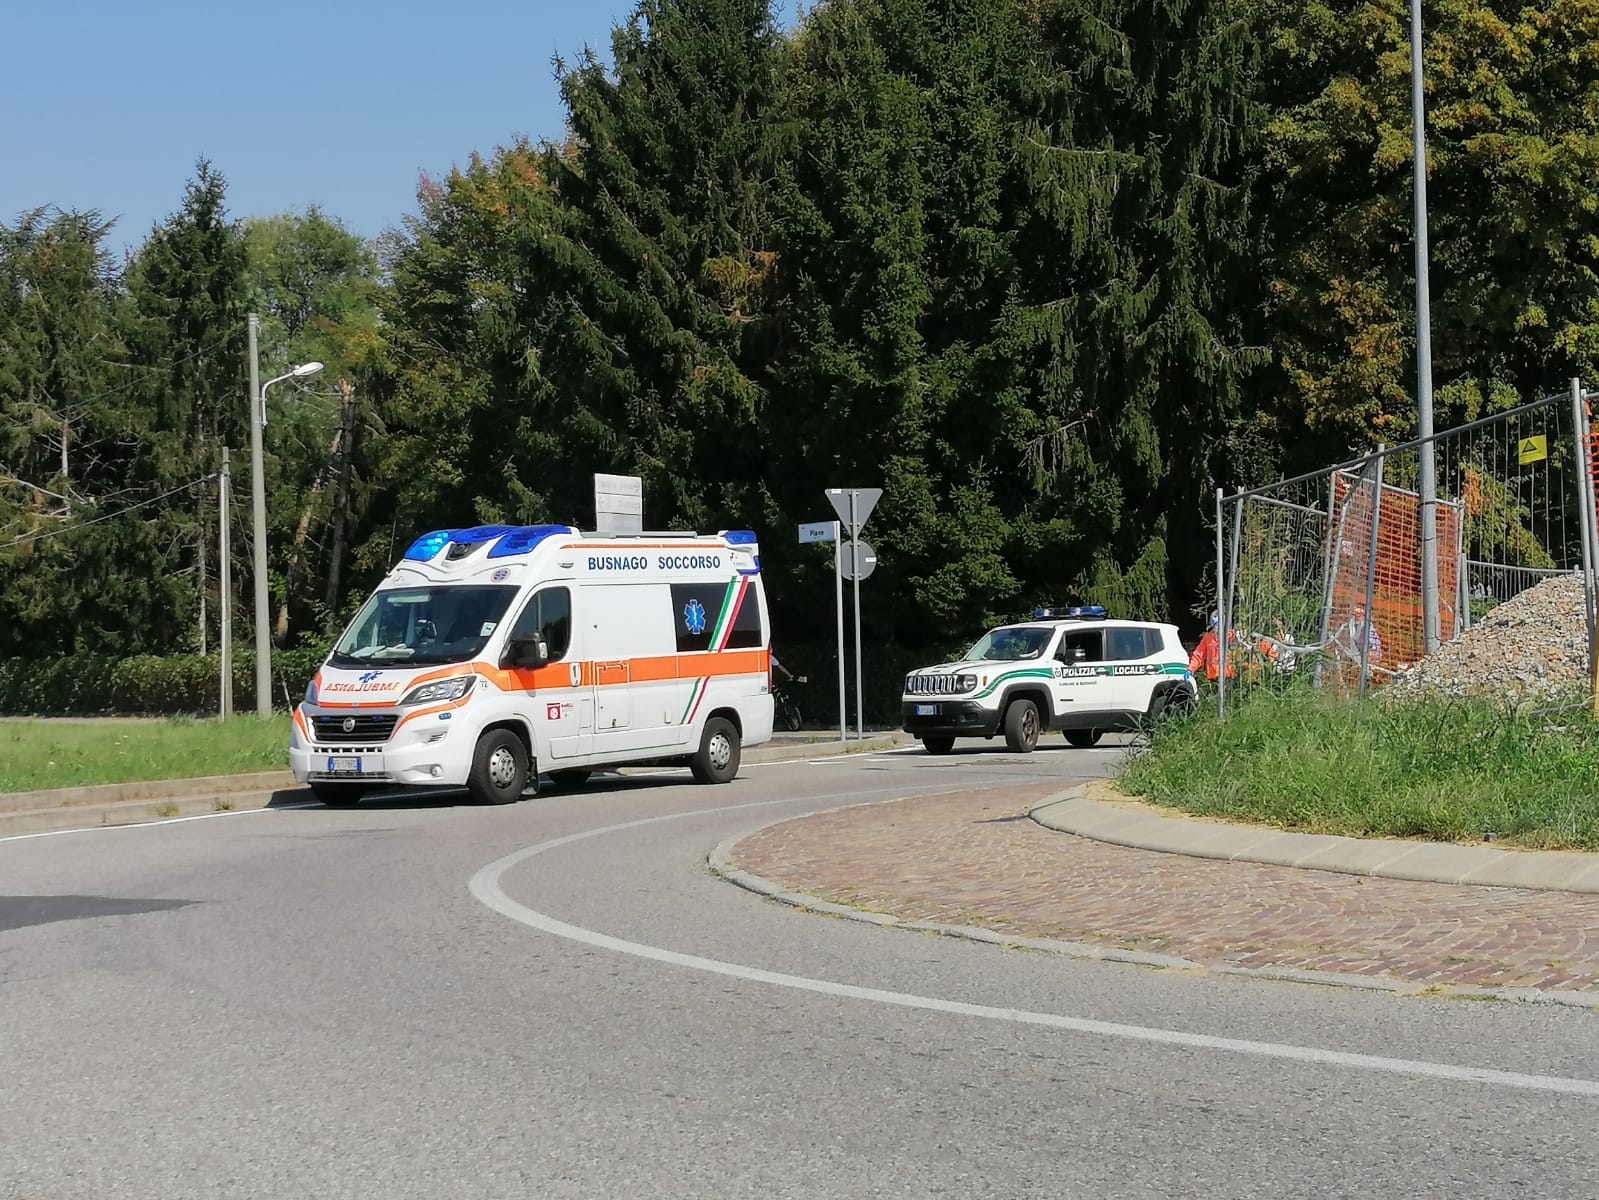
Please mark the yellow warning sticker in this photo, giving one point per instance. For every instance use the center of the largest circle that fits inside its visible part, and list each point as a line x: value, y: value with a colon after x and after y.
x: 1533, y: 448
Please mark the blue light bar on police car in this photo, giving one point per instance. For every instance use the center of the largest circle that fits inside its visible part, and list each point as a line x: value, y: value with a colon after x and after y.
x: 1081, y: 612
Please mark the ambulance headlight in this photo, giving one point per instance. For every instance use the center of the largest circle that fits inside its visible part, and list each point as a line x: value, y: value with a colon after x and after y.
x: 440, y: 690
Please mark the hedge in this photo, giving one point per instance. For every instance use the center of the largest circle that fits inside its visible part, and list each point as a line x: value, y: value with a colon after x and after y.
x: 187, y: 684
x: 147, y: 685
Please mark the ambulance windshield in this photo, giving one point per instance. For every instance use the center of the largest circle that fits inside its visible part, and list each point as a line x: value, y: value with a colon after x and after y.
x: 423, y: 626
x: 1008, y: 645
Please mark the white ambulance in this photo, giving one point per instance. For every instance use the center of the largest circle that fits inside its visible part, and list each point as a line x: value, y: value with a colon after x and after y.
x: 492, y: 655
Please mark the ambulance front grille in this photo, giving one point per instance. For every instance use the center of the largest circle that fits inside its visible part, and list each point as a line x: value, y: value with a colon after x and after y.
x: 368, y: 727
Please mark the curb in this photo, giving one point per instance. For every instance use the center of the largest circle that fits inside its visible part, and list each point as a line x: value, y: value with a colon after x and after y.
x: 150, y: 789
x: 104, y: 806
x: 720, y: 862
x: 1073, y: 811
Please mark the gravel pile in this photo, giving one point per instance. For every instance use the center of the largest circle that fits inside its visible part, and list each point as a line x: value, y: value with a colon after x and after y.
x: 1534, y: 644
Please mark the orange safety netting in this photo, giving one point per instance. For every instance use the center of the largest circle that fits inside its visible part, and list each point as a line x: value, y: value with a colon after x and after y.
x: 1396, y: 610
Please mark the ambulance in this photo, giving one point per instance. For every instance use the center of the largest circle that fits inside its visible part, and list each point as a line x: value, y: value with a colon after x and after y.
x: 494, y: 655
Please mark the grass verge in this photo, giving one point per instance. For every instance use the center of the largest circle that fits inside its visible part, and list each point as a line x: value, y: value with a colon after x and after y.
x: 1454, y: 771
x: 58, y: 754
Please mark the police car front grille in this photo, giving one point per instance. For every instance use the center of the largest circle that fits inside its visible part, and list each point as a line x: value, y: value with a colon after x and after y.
x: 367, y: 728
x: 939, y: 685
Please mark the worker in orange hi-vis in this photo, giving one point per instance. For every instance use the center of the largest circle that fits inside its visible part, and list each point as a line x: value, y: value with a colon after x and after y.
x: 1207, y: 656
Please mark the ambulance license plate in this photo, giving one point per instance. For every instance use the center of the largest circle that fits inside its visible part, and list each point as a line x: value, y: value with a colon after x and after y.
x: 344, y: 766
x: 927, y: 710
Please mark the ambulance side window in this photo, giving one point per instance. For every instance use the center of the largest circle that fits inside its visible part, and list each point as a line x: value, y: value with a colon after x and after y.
x: 549, y: 614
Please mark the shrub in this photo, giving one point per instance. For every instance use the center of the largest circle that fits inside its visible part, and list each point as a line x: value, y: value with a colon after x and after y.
x: 146, y: 685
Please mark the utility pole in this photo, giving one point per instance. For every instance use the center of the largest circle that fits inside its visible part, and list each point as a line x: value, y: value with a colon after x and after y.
x: 341, y: 502
x: 263, y: 643
x: 225, y: 589
x: 1428, y: 482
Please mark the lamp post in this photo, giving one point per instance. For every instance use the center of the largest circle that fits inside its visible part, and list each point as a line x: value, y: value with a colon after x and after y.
x: 1427, y: 483
x: 258, y: 419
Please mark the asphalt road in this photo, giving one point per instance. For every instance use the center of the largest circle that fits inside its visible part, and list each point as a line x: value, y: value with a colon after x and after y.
x: 555, y: 999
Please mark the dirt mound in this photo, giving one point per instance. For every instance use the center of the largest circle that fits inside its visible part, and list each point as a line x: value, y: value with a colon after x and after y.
x: 1534, y: 644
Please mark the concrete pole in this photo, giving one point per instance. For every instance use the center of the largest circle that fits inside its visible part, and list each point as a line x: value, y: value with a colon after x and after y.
x: 263, y: 644
x: 1428, y: 483
x: 225, y: 589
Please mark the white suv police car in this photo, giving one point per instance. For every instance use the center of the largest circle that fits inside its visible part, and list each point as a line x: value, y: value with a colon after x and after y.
x: 1069, y: 669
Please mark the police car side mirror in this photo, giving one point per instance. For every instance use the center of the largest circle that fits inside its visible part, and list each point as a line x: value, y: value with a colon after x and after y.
x: 526, y: 653
x: 1072, y: 654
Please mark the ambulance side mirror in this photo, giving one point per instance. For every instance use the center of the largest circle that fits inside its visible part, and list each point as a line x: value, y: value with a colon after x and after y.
x: 526, y: 653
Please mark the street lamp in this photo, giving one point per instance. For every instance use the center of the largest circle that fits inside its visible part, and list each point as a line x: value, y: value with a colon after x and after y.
x: 258, y: 420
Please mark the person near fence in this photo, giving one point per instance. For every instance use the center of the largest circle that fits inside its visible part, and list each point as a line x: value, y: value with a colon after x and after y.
x: 1207, y: 657
x: 1355, y: 630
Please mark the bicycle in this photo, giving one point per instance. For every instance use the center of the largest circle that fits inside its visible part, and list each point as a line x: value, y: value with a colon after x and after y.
x: 785, y: 709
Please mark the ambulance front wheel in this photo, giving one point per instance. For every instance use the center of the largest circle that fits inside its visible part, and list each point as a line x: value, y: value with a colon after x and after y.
x: 718, y: 757
x: 499, y: 768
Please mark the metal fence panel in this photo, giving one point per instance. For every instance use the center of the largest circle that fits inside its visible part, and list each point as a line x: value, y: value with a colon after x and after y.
x: 1322, y: 573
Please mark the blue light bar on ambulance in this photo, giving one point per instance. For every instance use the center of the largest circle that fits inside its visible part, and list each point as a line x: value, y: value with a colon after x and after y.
x: 1081, y: 611
x: 739, y: 537
x: 479, y: 533
x: 427, y: 547
x: 520, y: 539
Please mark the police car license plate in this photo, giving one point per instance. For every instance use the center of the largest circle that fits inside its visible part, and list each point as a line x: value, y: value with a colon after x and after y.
x: 927, y: 710
x: 344, y: 765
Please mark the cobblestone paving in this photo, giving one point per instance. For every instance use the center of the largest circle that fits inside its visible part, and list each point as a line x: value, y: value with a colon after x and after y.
x: 976, y: 859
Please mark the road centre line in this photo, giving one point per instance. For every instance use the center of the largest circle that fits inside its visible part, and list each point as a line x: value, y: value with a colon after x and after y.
x: 485, y: 887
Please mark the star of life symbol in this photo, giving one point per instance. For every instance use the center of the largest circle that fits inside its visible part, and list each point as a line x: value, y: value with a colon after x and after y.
x: 694, y: 617
x: 369, y: 677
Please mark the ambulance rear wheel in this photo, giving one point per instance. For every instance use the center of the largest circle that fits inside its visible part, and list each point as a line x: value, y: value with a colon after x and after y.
x: 1021, y: 726
x: 571, y: 777
x: 938, y: 745
x: 499, y: 768
x: 718, y: 757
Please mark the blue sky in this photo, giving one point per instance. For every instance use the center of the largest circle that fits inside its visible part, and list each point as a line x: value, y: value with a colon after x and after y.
x: 106, y: 104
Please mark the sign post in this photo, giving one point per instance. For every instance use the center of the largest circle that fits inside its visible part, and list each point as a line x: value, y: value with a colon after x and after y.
x: 854, y: 506
x: 828, y: 531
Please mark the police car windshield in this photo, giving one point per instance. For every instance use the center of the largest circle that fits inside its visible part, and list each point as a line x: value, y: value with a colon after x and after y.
x: 1008, y: 645
x: 423, y: 626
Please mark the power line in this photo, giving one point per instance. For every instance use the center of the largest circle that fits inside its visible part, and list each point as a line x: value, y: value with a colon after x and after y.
x: 50, y: 533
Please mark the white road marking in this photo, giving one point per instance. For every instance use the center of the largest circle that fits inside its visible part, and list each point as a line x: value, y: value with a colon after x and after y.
x: 232, y: 812
x: 485, y: 886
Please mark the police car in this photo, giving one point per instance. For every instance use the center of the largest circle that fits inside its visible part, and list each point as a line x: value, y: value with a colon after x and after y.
x: 1072, y: 669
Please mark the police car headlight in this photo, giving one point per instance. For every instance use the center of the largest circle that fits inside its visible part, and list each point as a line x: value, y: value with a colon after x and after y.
x: 440, y: 689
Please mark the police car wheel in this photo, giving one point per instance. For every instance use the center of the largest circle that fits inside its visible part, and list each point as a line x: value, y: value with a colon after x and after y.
x: 1170, y: 706
x: 718, y: 756
x: 499, y: 768
x: 938, y: 745
x: 1021, y: 726
x: 338, y: 795
x: 1082, y: 738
